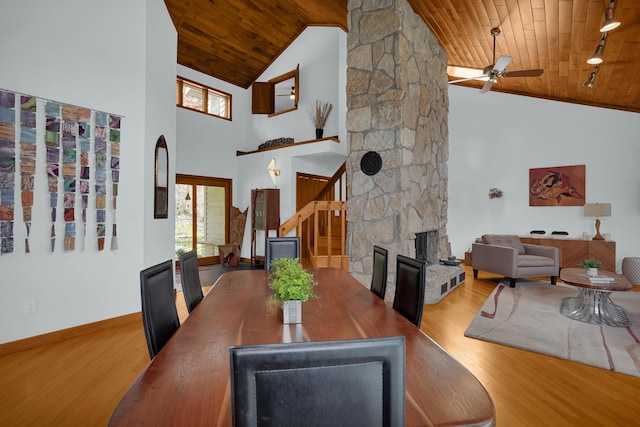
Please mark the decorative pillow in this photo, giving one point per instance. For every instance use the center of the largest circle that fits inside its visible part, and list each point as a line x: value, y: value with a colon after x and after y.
x: 509, y: 240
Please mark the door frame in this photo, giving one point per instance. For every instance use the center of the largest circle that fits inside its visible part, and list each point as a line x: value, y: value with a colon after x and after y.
x: 227, y: 184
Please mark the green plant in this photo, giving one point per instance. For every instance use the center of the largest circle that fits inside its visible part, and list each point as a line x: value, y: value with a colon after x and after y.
x: 590, y: 263
x: 291, y: 281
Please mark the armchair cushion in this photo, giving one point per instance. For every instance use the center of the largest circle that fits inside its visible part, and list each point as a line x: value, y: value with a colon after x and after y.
x: 534, y: 261
x: 508, y: 240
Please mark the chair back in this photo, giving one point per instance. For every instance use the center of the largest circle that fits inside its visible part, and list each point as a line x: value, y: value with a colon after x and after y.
x: 280, y: 247
x: 159, y: 313
x: 331, y: 383
x: 410, y: 285
x: 379, y: 275
x: 190, y: 278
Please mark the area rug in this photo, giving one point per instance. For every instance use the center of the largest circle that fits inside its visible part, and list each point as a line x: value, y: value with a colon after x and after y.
x: 528, y: 317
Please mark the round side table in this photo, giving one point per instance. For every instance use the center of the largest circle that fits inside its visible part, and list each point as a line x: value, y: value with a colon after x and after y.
x: 631, y: 269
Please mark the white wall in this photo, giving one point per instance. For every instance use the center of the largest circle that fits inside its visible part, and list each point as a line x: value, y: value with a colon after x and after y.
x: 116, y: 63
x: 317, y: 50
x: 494, y: 139
x: 207, y: 146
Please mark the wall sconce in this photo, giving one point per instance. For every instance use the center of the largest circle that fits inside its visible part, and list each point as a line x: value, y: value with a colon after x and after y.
x: 495, y: 193
x: 273, y: 172
x: 610, y: 22
x: 597, y: 210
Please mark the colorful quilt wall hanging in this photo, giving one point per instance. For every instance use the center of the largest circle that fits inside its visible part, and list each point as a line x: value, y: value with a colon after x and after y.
x: 80, y: 161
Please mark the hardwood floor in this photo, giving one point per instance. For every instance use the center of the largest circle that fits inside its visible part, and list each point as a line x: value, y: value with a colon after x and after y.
x: 79, y: 381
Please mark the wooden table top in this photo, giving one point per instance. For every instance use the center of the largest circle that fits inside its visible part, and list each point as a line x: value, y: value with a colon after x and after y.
x: 574, y: 276
x: 188, y: 383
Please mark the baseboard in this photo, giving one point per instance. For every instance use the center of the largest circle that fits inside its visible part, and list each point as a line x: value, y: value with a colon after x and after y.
x: 64, y: 334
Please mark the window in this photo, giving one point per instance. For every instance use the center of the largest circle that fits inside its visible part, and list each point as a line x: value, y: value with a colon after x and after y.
x: 195, y: 96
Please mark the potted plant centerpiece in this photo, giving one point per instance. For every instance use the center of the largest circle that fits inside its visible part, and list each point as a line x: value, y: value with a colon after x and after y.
x: 590, y: 266
x: 319, y: 115
x: 293, y: 285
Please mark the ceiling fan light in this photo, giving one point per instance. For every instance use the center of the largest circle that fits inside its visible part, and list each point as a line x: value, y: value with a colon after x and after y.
x: 610, y: 22
x: 596, y: 58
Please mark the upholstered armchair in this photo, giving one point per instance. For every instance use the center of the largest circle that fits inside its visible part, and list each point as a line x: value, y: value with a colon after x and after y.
x: 507, y: 256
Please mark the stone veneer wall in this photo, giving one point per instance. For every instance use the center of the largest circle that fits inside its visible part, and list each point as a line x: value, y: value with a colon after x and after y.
x: 397, y: 105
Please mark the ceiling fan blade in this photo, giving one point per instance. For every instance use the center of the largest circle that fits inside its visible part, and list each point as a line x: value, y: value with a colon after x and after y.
x: 487, y: 86
x: 482, y: 77
x: 523, y: 73
x: 501, y: 64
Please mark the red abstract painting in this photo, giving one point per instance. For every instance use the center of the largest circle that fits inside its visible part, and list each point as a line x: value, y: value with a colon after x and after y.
x: 557, y: 186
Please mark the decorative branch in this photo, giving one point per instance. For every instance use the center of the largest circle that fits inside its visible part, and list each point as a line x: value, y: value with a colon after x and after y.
x: 320, y: 113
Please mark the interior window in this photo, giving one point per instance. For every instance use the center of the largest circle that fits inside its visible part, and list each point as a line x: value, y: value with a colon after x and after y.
x: 195, y: 96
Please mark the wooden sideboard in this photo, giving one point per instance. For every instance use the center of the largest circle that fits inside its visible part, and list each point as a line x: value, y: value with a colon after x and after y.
x: 572, y: 251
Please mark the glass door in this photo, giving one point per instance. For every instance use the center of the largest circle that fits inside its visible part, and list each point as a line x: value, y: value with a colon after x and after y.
x: 202, y: 220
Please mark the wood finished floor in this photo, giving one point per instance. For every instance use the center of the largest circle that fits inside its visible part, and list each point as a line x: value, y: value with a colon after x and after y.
x: 79, y: 381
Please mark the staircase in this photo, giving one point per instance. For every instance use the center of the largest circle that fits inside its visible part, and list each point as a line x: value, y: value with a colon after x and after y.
x: 322, y: 227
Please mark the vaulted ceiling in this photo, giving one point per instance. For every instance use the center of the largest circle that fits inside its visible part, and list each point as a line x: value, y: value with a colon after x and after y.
x: 236, y: 40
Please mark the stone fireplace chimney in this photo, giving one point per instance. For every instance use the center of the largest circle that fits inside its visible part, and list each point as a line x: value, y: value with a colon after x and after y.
x: 397, y: 130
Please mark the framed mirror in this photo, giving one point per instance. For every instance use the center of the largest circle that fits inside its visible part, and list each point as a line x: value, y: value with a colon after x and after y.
x: 286, y: 92
x: 161, y: 180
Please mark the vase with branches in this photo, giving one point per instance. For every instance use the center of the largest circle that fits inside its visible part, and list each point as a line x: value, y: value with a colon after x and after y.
x: 319, y: 113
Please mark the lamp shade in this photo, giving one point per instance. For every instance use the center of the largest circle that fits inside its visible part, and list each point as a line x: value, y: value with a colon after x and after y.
x: 597, y: 209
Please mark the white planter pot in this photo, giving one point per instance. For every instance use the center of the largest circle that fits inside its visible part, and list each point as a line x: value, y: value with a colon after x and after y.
x: 292, y: 311
x: 591, y: 272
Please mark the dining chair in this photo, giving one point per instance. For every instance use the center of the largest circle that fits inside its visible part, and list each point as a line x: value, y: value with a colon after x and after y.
x: 379, y: 275
x: 280, y: 247
x: 190, y: 278
x: 410, y: 285
x: 358, y: 382
x: 159, y: 313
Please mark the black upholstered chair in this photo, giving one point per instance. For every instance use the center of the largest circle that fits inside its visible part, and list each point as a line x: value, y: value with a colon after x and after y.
x: 190, y: 278
x: 410, y: 285
x: 159, y: 313
x: 320, y: 383
x: 379, y: 275
x: 280, y: 247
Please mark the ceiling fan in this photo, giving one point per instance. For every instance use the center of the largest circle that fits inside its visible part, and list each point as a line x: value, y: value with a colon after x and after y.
x: 291, y: 94
x: 491, y: 73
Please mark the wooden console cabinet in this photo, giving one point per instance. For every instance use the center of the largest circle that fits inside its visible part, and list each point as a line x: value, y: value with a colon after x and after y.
x: 572, y: 251
x: 265, y: 216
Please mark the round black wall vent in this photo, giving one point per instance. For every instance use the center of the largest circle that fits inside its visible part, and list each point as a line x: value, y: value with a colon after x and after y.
x: 371, y: 163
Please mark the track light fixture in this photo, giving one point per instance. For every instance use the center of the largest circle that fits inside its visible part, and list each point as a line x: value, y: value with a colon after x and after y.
x: 591, y: 82
x: 596, y: 58
x: 610, y: 22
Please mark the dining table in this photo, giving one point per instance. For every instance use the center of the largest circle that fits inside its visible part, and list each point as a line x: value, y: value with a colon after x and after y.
x: 188, y: 382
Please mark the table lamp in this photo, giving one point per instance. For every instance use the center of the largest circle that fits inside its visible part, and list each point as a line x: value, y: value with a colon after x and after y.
x: 597, y: 210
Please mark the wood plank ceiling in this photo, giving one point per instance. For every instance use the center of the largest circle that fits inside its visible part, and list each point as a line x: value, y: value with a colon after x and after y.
x: 236, y: 40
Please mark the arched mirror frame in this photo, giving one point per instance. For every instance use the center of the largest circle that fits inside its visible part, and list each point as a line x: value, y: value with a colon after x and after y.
x: 274, y: 82
x: 161, y: 180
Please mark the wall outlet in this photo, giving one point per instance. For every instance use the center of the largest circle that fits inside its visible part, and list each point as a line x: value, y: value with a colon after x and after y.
x: 30, y: 306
